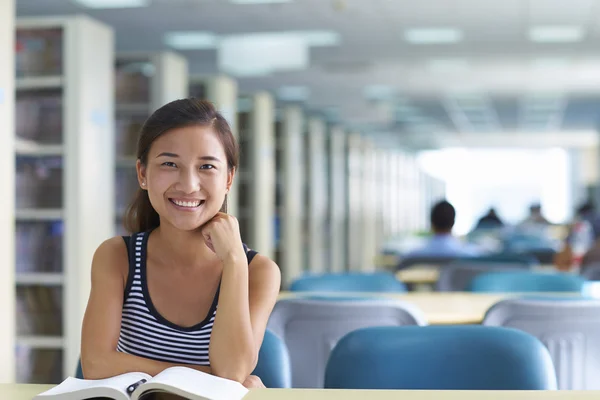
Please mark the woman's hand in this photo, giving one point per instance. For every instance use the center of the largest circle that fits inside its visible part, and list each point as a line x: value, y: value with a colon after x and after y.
x: 253, y: 382
x: 222, y: 235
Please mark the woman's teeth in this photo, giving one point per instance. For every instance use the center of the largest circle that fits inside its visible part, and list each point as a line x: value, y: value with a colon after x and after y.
x: 190, y: 204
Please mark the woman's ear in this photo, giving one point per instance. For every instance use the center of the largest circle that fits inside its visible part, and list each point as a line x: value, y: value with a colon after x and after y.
x: 141, y: 174
x: 230, y: 176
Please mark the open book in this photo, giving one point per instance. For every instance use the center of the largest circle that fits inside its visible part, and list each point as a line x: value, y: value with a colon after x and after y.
x: 181, y: 381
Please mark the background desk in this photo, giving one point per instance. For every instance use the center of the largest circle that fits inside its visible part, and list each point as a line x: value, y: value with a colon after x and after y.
x: 430, y: 274
x: 27, y: 392
x: 439, y: 308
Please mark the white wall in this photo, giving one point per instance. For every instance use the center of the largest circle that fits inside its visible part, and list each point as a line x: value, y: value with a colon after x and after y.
x: 508, y: 179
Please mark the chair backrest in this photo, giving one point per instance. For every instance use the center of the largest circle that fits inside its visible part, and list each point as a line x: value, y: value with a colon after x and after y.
x: 526, y: 281
x: 349, y: 282
x: 274, y: 367
x: 591, y: 272
x: 311, y: 327
x: 440, y: 358
x: 568, y: 327
x: 457, y: 276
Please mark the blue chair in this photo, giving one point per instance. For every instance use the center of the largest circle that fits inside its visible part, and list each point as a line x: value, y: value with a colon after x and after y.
x: 526, y: 281
x: 440, y: 358
x: 349, y: 282
x: 79, y: 371
x: 273, y: 366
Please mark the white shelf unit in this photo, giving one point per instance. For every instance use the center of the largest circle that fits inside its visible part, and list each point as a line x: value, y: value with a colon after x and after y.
x: 64, y: 198
x: 291, y: 208
x: 256, y: 180
x: 222, y: 91
x: 144, y: 82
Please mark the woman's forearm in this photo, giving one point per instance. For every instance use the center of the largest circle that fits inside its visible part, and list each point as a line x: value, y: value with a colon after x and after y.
x: 117, y: 363
x: 232, y: 350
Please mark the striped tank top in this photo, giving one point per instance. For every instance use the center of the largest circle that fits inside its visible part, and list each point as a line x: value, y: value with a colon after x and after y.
x: 146, y: 333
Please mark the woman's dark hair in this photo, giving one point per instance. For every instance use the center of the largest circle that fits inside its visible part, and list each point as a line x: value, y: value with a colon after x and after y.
x: 140, y: 215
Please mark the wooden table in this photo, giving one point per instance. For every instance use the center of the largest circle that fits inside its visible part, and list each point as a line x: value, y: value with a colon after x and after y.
x: 439, y: 308
x: 27, y: 392
x: 429, y: 274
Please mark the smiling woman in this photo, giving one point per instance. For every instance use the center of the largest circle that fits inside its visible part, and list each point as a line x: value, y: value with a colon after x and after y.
x: 155, y: 294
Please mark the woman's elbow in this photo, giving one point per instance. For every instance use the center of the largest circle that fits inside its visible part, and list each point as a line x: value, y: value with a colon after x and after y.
x: 95, y: 367
x: 237, y: 370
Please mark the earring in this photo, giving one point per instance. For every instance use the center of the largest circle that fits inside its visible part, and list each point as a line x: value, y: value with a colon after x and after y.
x: 143, y: 183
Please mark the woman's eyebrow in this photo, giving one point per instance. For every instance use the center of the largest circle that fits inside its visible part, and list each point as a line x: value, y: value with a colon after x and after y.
x: 205, y: 158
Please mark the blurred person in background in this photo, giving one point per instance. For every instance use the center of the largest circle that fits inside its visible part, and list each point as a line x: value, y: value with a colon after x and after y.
x: 582, y: 244
x: 489, y: 220
x: 535, y: 217
x: 442, y: 243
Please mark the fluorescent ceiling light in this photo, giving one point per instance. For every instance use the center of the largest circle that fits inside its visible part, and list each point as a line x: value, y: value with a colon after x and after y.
x: 191, y: 40
x: 293, y: 93
x: 113, y: 3
x: 556, y: 34
x: 244, y: 55
x: 433, y: 35
x: 259, y: 1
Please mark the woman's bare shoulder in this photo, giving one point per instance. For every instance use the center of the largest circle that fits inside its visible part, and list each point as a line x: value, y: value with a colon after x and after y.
x: 111, y: 258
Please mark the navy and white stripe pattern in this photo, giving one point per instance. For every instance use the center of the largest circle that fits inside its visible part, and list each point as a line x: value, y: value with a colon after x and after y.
x: 145, y: 333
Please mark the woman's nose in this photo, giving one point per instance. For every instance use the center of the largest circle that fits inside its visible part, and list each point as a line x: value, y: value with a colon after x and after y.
x: 189, y: 181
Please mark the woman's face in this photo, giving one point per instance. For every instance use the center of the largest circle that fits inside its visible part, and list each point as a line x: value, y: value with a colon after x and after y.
x: 186, y: 176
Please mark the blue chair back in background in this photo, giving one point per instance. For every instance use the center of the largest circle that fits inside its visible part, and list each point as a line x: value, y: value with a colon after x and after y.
x: 457, y: 276
x: 273, y: 366
x: 526, y: 281
x: 569, y: 327
x: 349, y: 282
x: 440, y: 358
x: 310, y: 328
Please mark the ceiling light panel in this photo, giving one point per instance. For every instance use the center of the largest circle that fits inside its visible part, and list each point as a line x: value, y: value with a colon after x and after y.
x: 293, y: 93
x: 244, y: 55
x: 433, y: 35
x: 191, y: 40
x: 113, y: 3
x: 259, y: 1
x: 556, y: 34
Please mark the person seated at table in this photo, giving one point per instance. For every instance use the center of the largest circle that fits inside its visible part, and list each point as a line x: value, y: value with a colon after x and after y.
x: 183, y: 289
x: 535, y: 217
x: 442, y: 243
x: 490, y: 220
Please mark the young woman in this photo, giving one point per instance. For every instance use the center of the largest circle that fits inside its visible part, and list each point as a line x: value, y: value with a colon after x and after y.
x: 183, y: 289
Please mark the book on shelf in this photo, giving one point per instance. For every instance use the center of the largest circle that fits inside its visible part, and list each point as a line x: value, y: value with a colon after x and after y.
x: 180, y: 381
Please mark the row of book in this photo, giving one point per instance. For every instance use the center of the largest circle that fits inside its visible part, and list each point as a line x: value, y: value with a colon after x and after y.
x: 41, y: 366
x: 39, y: 310
x: 39, y: 246
x: 39, y: 182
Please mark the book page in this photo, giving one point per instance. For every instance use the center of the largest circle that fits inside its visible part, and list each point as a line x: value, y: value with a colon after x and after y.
x: 117, y: 383
x: 188, y: 382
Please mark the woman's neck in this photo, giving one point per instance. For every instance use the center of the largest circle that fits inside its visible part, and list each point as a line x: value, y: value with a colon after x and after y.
x: 177, y: 247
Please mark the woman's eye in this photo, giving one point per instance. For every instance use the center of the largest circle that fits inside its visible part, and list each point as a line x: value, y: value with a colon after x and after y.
x: 207, y: 166
x: 169, y: 164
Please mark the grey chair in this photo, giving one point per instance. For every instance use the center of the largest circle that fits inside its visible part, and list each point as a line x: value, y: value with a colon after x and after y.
x: 311, y: 328
x: 569, y: 328
x: 457, y: 276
